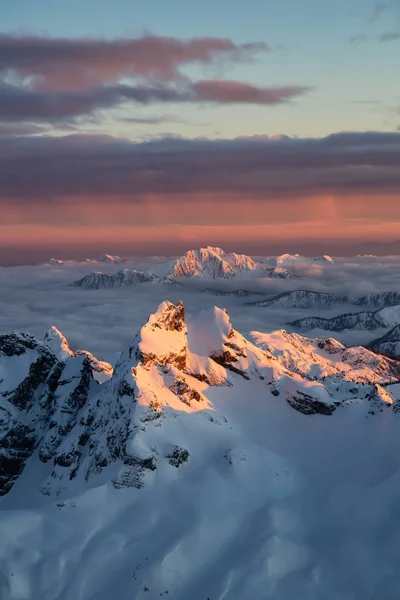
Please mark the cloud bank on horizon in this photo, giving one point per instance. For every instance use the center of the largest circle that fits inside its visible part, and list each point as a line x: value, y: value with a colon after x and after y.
x: 101, y: 189
x: 73, y: 172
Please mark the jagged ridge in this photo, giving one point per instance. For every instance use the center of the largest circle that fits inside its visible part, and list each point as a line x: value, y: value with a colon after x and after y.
x: 57, y: 409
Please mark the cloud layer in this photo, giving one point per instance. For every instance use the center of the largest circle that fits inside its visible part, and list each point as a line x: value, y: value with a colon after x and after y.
x: 55, y: 80
x: 65, y: 64
x: 20, y: 103
x: 34, y: 298
x: 100, y: 167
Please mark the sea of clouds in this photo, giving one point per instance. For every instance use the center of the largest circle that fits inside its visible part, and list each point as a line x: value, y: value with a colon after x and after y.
x: 104, y: 321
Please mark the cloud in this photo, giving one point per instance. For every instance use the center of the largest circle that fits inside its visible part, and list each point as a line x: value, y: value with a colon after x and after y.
x: 100, y: 167
x: 230, y: 92
x: 20, y: 129
x: 390, y: 36
x: 156, y: 120
x: 34, y: 298
x: 359, y: 38
x: 22, y: 103
x: 379, y: 8
x: 66, y: 64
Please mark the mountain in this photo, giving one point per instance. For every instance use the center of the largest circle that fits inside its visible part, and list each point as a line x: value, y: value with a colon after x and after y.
x: 294, y: 260
x: 55, y: 262
x: 280, y: 273
x: 214, y: 263
x: 388, y: 344
x: 206, y: 263
x: 206, y: 467
x: 386, y: 317
x: 58, y: 344
x: 54, y: 407
x: 379, y: 300
x: 106, y: 258
x: 302, y: 299
x: 124, y: 278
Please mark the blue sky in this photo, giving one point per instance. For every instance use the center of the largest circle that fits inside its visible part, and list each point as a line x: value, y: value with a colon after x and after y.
x: 354, y: 85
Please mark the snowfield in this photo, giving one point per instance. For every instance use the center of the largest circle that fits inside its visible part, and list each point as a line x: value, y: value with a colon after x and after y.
x: 206, y: 465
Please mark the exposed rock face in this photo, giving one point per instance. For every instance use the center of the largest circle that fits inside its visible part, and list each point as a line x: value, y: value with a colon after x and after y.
x: 39, y: 396
x: 308, y: 405
x: 178, y: 456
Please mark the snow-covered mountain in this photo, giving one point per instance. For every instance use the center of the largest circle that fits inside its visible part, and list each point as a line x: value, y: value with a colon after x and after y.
x: 388, y: 344
x: 55, y: 262
x: 379, y: 300
x: 294, y: 260
x: 206, y: 263
x: 106, y: 258
x: 386, y: 317
x: 205, y: 467
x: 214, y: 263
x: 123, y: 278
x: 53, y: 406
x: 302, y: 299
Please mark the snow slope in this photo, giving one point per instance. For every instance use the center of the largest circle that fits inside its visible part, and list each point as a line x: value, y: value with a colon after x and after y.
x: 209, y: 466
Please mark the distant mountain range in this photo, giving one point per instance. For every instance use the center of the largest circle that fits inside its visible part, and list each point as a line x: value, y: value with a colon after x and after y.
x: 388, y: 344
x: 206, y: 263
x: 385, y: 317
x: 306, y: 299
x: 124, y: 278
x: 296, y: 260
x: 302, y: 299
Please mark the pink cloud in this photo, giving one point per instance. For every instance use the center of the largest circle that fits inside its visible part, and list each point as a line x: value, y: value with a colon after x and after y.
x: 229, y: 92
x: 379, y: 8
x: 88, y: 62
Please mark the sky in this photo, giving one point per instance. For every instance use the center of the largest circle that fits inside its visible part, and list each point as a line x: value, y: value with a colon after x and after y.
x: 147, y: 127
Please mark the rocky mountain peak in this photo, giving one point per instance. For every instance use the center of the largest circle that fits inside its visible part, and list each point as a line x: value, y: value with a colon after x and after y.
x: 58, y: 343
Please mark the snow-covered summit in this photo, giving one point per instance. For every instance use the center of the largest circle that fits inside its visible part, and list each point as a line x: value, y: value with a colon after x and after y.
x: 58, y: 344
x: 55, y: 262
x: 206, y: 263
x: 108, y: 258
x: 214, y: 263
x: 294, y: 260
